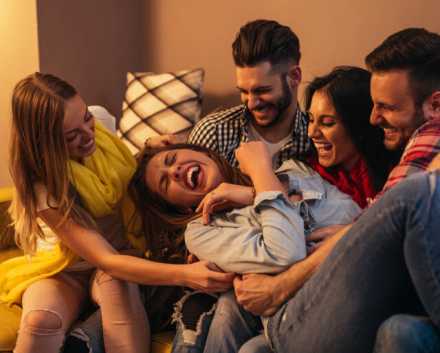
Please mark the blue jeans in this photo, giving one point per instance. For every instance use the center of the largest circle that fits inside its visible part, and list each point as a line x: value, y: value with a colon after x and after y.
x: 407, y: 334
x: 388, y: 263
x: 388, y: 260
x: 257, y: 344
x: 226, y: 331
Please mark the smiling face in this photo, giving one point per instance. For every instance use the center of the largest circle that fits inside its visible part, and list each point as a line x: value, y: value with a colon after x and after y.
x: 182, y: 177
x: 79, y: 129
x: 269, y: 95
x: 394, y: 108
x: 331, y: 139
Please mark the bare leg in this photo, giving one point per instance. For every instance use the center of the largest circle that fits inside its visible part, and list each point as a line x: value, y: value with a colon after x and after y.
x: 50, y: 306
x: 125, y: 323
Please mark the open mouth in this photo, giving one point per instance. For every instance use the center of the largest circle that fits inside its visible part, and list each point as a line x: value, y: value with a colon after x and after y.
x: 323, y: 146
x: 88, y: 145
x: 192, y: 177
x: 262, y: 110
x: 389, y: 132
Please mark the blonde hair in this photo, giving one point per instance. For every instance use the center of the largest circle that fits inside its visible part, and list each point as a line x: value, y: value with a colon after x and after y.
x: 38, y: 154
x: 164, y: 223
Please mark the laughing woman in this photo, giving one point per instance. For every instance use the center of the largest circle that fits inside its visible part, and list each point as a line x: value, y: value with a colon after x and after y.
x: 349, y: 151
x: 266, y: 215
x: 70, y: 178
x: 262, y: 222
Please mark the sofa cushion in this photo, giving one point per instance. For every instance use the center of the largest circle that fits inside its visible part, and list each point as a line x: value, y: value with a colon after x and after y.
x: 9, y: 323
x: 157, y: 104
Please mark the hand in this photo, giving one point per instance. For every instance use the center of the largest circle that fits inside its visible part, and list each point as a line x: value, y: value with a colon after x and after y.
x: 164, y: 140
x: 252, y: 157
x: 259, y: 294
x: 207, y: 277
x: 225, y: 196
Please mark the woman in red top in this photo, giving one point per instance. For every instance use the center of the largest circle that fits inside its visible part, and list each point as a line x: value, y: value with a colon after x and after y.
x: 349, y: 151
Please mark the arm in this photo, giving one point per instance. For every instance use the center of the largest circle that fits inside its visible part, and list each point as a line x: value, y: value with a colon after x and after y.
x: 263, y: 294
x: 163, y: 140
x: 92, y: 247
x: 226, y: 196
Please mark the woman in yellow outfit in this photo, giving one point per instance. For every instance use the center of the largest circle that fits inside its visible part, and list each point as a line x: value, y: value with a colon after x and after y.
x: 70, y: 177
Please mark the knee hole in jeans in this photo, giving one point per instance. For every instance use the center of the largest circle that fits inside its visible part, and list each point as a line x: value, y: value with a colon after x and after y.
x: 43, y: 319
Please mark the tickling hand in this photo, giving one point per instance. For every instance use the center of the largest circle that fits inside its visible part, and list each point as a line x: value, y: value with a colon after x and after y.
x: 258, y: 294
x: 207, y: 277
x: 164, y: 140
x: 223, y: 197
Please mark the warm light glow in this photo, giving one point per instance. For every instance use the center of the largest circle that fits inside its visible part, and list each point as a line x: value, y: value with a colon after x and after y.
x: 19, y: 57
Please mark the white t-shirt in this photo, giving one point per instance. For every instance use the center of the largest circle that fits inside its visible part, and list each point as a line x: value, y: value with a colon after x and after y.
x: 273, y: 148
x: 111, y: 227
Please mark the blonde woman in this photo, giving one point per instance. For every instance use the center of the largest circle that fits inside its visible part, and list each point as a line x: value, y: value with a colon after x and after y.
x: 70, y: 176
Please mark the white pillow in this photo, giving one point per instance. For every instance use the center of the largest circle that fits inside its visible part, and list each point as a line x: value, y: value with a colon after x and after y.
x: 158, y: 104
x: 104, y: 116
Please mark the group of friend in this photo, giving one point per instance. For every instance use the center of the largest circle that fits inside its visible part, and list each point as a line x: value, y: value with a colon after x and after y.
x: 316, y: 230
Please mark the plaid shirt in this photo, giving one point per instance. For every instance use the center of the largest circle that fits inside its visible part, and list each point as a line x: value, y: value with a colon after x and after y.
x: 223, y: 131
x: 421, y: 149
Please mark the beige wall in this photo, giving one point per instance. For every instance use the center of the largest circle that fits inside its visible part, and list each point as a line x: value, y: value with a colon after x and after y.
x: 19, y: 57
x: 184, y: 34
x: 92, y: 44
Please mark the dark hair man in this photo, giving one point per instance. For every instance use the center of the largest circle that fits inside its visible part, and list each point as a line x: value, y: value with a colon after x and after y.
x: 405, y: 88
x: 266, y: 55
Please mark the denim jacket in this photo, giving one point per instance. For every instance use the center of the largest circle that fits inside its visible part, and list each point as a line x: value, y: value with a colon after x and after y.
x: 270, y: 235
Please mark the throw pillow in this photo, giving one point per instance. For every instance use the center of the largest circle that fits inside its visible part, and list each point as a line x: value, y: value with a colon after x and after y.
x: 158, y: 104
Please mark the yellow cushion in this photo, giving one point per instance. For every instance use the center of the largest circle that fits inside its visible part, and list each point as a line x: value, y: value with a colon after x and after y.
x: 9, y: 323
x: 5, y: 194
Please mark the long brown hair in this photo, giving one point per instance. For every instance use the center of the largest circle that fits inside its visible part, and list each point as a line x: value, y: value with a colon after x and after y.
x: 38, y: 153
x: 163, y: 223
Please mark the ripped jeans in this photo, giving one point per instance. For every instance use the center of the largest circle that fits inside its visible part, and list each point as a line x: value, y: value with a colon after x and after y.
x: 227, y: 330
x: 51, y: 305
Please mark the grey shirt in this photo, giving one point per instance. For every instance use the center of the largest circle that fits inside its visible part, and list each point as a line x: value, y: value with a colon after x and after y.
x: 270, y: 235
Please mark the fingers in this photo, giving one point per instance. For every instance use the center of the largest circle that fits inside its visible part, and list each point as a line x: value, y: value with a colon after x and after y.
x: 208, y: 205
x: 237, y: 283
x: 220, y: 282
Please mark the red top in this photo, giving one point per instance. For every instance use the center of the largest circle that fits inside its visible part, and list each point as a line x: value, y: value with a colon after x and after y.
x: 357, y: 182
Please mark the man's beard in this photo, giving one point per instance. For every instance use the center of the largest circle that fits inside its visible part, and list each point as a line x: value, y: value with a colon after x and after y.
x: 281, y: 105
x: 418, y: 120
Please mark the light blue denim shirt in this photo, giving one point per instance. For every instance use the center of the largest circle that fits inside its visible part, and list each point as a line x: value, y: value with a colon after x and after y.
x: 270, y: 235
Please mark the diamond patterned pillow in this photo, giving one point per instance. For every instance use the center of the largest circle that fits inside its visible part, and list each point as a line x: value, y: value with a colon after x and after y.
x: 157, y: 104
